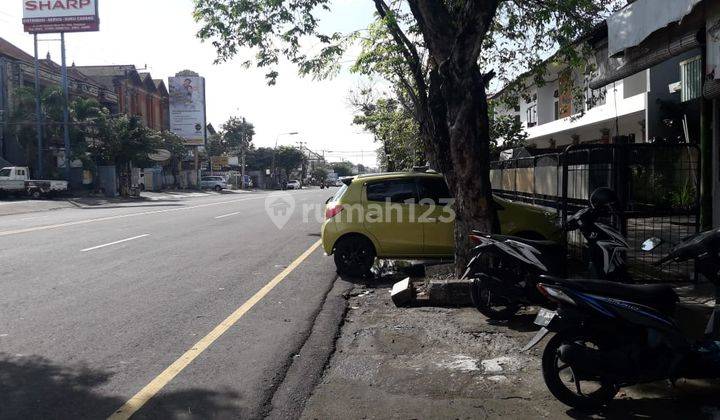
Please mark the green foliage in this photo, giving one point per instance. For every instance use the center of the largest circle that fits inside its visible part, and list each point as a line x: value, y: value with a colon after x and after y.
x: 320, y: 174
x: 273, y: 29
x: 342, y: 168
x: 259, y: 159
x: 176, y: 146
x: 216, y: 146
x: 237, y: 134
x: 83, y: 113
x: 289, y: 159
x: 121, y: 140
x: 506, y: 132
x: 395, y: 128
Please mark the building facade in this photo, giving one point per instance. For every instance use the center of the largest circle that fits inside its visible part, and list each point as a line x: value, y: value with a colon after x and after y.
x: 138, y: 93
x: 17, y: 71
x: 656, y: 80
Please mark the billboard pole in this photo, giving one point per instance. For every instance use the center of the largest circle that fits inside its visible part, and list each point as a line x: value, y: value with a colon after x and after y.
x: 38, y: 112
x: 66, y: 106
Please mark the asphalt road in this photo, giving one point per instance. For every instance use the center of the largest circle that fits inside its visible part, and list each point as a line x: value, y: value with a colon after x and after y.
x: 95, y: 303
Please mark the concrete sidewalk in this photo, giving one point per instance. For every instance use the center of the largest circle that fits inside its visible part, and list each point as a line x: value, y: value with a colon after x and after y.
x: 452, y: 363
x: 11, y: 207
x: 21, y: 206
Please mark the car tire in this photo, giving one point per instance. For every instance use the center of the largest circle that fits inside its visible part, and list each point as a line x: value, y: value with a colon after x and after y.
x: 354, y: 256
x: 218, y: 188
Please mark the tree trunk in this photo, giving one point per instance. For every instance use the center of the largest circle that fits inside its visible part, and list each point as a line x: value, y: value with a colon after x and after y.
x: 458, y: 107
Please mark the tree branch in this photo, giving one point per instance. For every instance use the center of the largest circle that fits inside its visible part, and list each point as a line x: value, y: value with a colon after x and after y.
x: 407, y: 48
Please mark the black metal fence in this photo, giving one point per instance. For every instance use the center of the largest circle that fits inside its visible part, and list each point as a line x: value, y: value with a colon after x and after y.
x: 658, y: 187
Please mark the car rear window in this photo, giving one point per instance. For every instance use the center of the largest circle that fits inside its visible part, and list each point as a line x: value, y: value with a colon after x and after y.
x: 434, y: 189
x: 339, y: 194
x: 393, y: 190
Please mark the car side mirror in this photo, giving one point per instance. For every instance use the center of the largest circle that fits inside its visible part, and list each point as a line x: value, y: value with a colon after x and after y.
x: 651, y: 244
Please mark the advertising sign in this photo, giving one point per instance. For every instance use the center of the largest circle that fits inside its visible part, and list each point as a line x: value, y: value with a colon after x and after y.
x: 187, y: 109
x: 52, y: 16
x: 219, y: 162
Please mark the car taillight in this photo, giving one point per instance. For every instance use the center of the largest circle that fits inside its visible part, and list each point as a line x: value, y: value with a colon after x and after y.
x: 333, y: 211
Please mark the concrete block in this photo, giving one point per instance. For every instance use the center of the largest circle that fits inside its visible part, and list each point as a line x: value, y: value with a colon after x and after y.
x: 449, y: 292
x: 402, y: 293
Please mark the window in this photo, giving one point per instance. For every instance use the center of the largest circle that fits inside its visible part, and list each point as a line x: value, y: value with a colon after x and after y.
x: 691, y: 79
x: 5, y: 172
x: 531, y: 115
x: 434, y: 189
x: 394, y: 190
x: 339, y: 194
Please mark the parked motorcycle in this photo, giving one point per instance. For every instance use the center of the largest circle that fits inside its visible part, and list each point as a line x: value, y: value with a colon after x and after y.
x: 610, y: 336
x: 505, y: 270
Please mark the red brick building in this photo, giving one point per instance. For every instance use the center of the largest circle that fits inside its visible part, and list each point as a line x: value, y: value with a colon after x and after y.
x: 138, y: 94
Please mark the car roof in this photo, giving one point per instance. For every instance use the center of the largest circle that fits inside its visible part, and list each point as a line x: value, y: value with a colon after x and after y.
x: 395, y: 175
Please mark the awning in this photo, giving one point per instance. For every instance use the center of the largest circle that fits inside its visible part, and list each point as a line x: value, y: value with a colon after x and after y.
x: 631, y: 25
x: 637, y: 61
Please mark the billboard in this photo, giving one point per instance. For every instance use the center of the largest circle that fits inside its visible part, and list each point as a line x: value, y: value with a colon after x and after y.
x: 52, y: 16
x: 187, y: 109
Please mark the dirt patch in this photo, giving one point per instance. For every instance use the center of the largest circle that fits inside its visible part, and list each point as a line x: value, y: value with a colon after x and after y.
x: 452, y: 363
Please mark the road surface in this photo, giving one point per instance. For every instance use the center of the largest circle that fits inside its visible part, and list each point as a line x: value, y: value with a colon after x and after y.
x: 199, y: 302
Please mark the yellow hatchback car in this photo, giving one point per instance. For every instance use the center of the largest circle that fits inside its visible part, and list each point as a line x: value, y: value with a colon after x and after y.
x: 408, y: 215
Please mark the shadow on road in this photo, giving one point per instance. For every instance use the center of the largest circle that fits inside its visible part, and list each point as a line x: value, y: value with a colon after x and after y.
x: 659, y: 400
x: 34, y: 387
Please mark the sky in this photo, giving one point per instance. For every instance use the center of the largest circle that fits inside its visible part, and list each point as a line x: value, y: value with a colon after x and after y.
x: 160, y: 34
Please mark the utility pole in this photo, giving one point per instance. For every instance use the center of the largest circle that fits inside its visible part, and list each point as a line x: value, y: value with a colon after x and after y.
x: 243, y: 145
x: 303, y: 167
x: 38, y: 112
x: 66, y: 109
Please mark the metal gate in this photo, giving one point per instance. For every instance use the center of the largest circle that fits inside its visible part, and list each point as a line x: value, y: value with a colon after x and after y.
x: 658, y: 187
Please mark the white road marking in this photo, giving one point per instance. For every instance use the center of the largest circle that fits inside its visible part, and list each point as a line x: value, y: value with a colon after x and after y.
x: 114, y: 243
x: 228, y: 215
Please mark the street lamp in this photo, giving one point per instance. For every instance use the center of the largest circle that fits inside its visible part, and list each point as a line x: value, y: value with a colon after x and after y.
x: 274, y: 167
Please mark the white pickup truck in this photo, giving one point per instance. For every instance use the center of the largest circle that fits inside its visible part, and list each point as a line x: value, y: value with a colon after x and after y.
x: 16, y: 180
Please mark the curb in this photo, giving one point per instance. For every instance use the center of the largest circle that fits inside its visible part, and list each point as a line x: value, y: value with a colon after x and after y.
x: 308, y: 366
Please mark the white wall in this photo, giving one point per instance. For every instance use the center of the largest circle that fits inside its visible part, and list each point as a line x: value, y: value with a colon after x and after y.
x: 588, y: 126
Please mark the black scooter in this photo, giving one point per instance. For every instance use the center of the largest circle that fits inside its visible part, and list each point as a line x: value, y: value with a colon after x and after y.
x: 505, y: 270
x: 610, y: 336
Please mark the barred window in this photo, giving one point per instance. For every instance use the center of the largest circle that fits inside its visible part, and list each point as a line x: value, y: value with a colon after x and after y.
x: 691, y: 79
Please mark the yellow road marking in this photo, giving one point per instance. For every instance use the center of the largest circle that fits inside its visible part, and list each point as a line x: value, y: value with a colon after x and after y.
x: 125, y: 216
x: 157, y: 384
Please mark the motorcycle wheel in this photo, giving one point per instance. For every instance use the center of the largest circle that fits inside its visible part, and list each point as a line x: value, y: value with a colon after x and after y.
x: 490, y: 303
x: 561, y: 379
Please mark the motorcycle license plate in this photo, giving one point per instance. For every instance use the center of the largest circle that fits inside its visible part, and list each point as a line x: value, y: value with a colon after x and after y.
x: 544, y: 317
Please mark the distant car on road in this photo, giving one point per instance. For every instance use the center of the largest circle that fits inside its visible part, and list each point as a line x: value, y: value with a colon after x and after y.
x: 216, y: 183
x: 16, y: 180
x: 339, y: 183
x: 294, y: 185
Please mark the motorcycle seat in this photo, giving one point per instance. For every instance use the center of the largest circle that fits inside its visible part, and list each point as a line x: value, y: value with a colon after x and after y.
x: 657, y: 296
